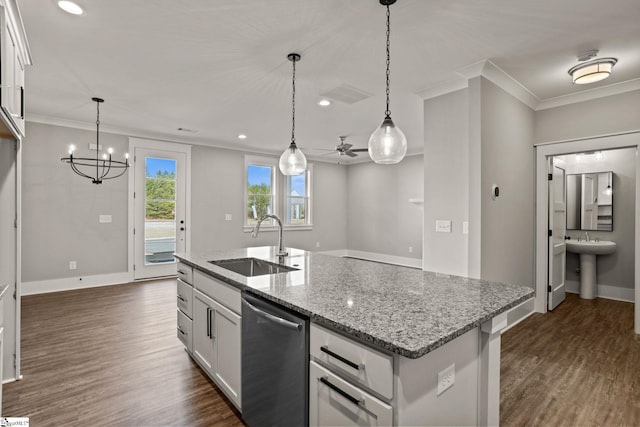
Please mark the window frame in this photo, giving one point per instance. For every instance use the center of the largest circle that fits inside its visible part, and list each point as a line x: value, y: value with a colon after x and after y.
x: 279, y: 185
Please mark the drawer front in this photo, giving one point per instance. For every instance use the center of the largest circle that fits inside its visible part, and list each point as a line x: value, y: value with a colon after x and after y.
x: 225, y: 294
x: 185, y: 330
x: 335, y: 402
x: 184, y: 272
x: 357, y: 362
x: 185, y: 298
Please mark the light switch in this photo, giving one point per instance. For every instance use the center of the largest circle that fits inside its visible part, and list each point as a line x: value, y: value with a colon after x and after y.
x: 227, y: 217
x: 465, y: 227
x: 443, y: 226
x: 105, y: 219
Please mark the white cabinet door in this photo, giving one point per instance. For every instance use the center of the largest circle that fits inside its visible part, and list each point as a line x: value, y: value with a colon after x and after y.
x: 203, y: 317
x: 227, y: 331
x: 335, y: 402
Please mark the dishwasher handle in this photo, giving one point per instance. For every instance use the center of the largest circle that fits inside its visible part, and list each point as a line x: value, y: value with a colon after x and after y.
x: 283, y: 322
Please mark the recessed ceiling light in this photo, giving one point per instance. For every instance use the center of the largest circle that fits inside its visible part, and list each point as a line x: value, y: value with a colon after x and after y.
x: 70, y: 7
x: 242, y: 136
x: 324, y: 103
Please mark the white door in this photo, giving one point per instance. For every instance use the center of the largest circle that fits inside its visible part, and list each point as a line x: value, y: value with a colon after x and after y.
x: 159, y: 211
x: 557, y: 225
x: 203, y: 331
x: 589, y: 212
x: 226, y: 337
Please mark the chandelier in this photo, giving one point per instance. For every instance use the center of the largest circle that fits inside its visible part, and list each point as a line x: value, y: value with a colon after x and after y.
x: 99, y: 168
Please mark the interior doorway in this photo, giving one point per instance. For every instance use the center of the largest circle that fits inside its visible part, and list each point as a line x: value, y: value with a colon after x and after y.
x: 160, y: 207
x: 543, y: 155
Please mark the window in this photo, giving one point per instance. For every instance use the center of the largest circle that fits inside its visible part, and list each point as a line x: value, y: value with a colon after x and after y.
x: 264, y: 187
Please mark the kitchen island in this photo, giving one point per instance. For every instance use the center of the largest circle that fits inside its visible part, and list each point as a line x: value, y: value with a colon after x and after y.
x: 439, y: 333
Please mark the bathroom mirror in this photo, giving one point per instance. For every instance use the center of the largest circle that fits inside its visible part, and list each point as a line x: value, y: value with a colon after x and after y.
x: 590, y: 201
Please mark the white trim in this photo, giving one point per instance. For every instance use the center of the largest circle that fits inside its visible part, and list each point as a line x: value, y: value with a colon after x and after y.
x: 499, y: 77
x: 615, y: 293
x: 377, y: 257
x: 71, y: 283
x: 587, y: 144
x: 519, y: 313
x: 587, y: 95
x: 18, y: 319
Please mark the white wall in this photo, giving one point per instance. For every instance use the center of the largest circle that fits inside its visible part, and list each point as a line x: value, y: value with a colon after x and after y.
x: 617, y: 269
x: 380, y: 217
x: 446, y: 182
x: 60, y: 209
x: 508, y: 222
x: 217, y: 189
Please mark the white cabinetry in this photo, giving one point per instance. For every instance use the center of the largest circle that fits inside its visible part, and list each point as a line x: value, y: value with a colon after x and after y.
x: 217, y: 333
x: 184, y: 297
x: 14, y: 55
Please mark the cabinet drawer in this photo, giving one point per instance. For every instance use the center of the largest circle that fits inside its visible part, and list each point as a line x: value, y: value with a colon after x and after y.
x: 357, y: 362
x: 225, y: 294
x: 185, y: 298
x: 184, y: 272
x: 185, y: 330
x: 335, y: 402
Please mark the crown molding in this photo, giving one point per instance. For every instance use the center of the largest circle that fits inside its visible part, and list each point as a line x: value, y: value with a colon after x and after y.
x: 453, y: 85
x: 589, y: 94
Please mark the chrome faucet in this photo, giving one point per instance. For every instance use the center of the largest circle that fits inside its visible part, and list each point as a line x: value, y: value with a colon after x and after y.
x: 256, y: 230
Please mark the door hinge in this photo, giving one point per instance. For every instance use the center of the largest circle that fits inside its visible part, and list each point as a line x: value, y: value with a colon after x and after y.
x: 550, y: 177
x: 550, y: 233
x: 134, y: 267
x: 15, y: 360
x: 15, y: 223
x: 549, y: 288
x: 134, y: 231
x: 134, y: 194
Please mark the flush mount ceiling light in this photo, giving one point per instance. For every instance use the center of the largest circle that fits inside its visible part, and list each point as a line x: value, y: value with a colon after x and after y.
x: 324, y: 103
x: 242, y: 136
x: 97, y: 169
x: 387, y: 144
x: 292, y: 161
x: 591, y: 70
x: 70, y: 7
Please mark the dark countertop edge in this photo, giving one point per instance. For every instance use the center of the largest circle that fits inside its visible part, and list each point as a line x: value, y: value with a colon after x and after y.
x: 359, y: 335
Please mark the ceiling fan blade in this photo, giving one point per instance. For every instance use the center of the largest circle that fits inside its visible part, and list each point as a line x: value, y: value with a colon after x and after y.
x: 350, y: 153
x: 346, y: 147
x: 359, y: 150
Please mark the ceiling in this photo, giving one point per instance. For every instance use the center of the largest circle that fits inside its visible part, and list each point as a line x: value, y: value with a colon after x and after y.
x: 221, y: 69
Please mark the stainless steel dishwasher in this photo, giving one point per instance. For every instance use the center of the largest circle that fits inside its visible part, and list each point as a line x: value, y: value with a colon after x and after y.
x: 275, y: 364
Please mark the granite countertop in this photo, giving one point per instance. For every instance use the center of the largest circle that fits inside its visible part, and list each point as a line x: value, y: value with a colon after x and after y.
x: 403, y: 310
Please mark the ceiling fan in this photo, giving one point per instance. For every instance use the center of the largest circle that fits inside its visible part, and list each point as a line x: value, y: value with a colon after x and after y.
x: 345, y: 149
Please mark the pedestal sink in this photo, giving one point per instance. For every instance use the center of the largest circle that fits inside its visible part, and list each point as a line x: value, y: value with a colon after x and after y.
x: 588, y: 251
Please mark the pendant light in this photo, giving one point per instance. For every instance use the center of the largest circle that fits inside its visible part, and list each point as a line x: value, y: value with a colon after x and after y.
x: 387, y: 144
x: 292, y: 161
x: 97, y: 169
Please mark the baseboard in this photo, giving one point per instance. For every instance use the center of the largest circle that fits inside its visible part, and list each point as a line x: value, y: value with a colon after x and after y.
x: 605, y: 291
x: 374, y: 256
x: 71, y: 283
x: 518, y: 313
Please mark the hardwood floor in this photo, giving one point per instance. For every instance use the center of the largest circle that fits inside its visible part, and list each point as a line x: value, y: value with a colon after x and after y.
x: 110, y: 356
x: 576, y: 366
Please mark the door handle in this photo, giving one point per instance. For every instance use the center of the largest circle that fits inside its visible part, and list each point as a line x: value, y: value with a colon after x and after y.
x: 344, y: 360
x: 209, y: 322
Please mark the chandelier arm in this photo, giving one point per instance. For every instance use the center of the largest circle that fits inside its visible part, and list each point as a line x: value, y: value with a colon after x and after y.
x: 78, y: 171
x: 116, y: 176
x: 104, y: 162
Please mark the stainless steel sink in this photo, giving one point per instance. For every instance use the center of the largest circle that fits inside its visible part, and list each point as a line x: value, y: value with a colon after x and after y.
x: 250, y: 267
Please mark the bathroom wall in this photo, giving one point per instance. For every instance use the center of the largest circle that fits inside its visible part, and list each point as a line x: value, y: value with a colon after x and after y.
x: 615, y: 270
x: 380, y: 218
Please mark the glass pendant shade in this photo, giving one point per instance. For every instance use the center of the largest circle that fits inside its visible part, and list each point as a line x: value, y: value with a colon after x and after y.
x: 387, y: 144
x: 292, y: 161
x: 608, y: 191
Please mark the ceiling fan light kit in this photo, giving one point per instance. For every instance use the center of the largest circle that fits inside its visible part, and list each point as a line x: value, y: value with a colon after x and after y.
x: 387, y: 144
x: 591, y: 70
x: 292, y: 160
x: 97, y: 169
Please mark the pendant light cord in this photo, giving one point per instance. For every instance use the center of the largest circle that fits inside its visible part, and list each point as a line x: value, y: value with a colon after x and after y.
x: 293, y: 105
x: 97, y: 140
x: 387, y: 111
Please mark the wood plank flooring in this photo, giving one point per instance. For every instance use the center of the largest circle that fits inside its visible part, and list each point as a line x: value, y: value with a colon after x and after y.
x: 110, y: 356
x: 576, y: 366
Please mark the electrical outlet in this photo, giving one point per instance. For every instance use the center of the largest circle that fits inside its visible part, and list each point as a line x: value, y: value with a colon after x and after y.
x: 317, y: 244
x: 465, y: 227
x: 410, y: 249
x: 227, y: 217
x: 72, y: 265
x: 446, y: 379
x: 443, y: 226
x: 104, y: 219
